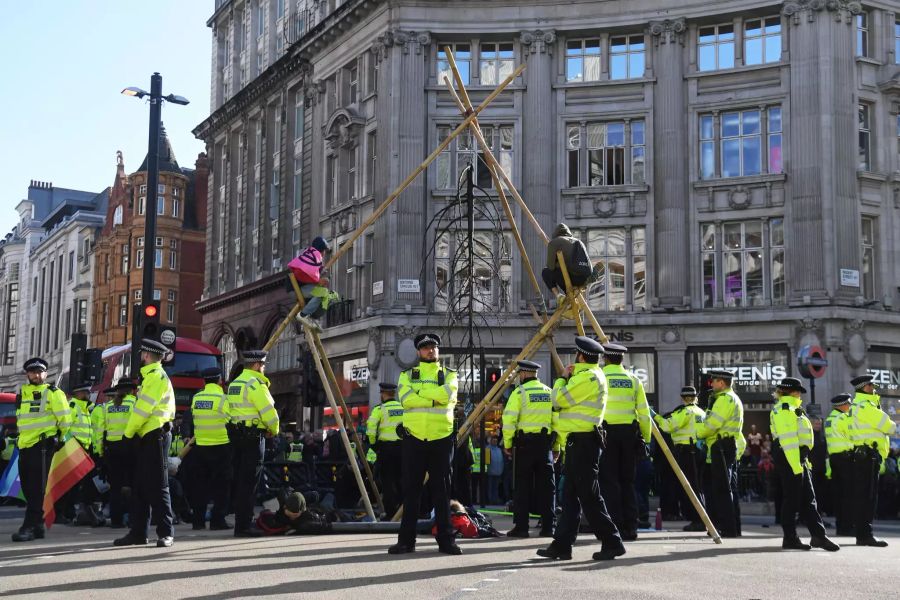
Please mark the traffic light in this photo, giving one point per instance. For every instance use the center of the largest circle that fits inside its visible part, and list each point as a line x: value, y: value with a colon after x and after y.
x: 313, y: 392
x: 493, y: 375
x: 150, y: 320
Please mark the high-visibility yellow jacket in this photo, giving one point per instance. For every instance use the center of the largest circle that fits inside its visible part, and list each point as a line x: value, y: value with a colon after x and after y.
x: 529, y: 409
x: 725, y: 418
x: 115, y: 418
x: 626, y: 401
x: 371, y: 456
x: 97, y: 425
x: 428, y: 400
x: 682, y: 423
x: 209, y: 408
x: 295, y: 452
x: 43, y: 412
x: 383, y: 421
x: 155, y: 405
x: 837, y: 432
x: 250, y: 404
x: 869, y: 425
x: 579, y: 404
x: 81, y: 423
x: 791, y: 428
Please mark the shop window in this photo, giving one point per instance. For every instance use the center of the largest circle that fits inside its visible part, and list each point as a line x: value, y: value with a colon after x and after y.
x: 621, y: 256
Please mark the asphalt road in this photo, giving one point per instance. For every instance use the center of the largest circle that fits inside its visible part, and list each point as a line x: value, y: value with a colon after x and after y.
x: 81, y: 563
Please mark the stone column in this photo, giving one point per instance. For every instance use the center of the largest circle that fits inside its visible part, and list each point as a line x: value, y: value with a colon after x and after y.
x: 384, y: 175
x: 670, y: 166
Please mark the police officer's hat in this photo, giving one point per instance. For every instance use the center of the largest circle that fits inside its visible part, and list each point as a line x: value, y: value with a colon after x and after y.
x: 254, y: 356
x: 427, y: 339
x: 528, y: 365
x: 862, y: 380
x: 590, y: 347
x: 211, y: 375
x: 124, y: 384
x: 387, y: 387
x: 35, y: 364
x: 841, y: 399
x: 720, y: 374
x: 614, y: 349
x: 153, y: 347
x: 688, y: 390
x: 81, y: 388
x: 791, y: 384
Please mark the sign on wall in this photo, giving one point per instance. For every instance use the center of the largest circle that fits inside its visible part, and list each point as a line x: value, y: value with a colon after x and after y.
x: 408, y: 286
x: 850, y: 277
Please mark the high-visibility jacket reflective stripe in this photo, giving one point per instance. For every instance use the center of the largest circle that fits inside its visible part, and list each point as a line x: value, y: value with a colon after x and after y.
x: 579, y: 404
x: 791, y: 427
x: 428, y: 405
x: 725, y: 418
x: 626, y: 400
x: 250, y: 403
x: 529, y: 409
x: 97, y: 427
x: 837, y: 432
x: 43, y: 411
x: 155, y: 405
x: 209, y: 409
x: 869, y: 425
x: 81, y: 423
x: 383, y: 421
x: 682, y: 423
x: 116, y: 417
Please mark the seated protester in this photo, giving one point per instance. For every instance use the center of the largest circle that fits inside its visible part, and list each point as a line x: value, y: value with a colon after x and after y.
x: 469, y: 523
x: 307, y: 268
x: 293, y: 517
x: 575, y: 256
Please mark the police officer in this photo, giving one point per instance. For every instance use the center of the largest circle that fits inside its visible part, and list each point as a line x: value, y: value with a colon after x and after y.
x: 42, y: 417
x: 381, y: 429
x: 840, y: 462
x: 211, y: 454
x: 681, y: 423
x: 722, y: 429
x: 627, y: 424
x: 428, y: 395
x: 83, y: 431
x: 149, y: 427
x: 579, y: 403
x: 528, y: 425
x: 870, y: 428
x: 252, y: 417
x: 118, y: 452
x: 792, y: 444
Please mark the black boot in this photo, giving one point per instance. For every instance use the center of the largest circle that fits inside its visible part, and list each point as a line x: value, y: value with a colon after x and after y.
x: 24, y: 534
x: 610, y: 550
x: 556, y: 552
x: 450, y: 548
x: 129, y: 540
x: 517, y: 532
x: 399, y: 548
x: 794, y: 543
x: 872, y: 542
x: 824, y: 543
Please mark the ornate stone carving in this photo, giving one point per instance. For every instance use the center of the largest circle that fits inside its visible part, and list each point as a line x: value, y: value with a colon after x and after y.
x: 373, y: 350
x: 605, y: 206
x: 538, y: 41
x: 668, y: 31
x: 739, y: 197
x: 854, y: 347
x: 380, y: 45
x: 809, y: 331
x: 840, y: 8
x: 313, y: 90
x: 343, y: 222
x: 670, y: 334
x: 415, y: 39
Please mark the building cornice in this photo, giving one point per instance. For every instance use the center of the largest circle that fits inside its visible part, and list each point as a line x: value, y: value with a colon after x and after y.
x: 271, y: 282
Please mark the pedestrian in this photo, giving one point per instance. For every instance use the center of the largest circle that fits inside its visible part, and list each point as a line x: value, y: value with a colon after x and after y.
x: 212, y: 456
x: 528, y: 438
x: 252, y: 417
x: 381, y: 429
x: 870, y: 428
x: 43, y: 417
x: 119, y: 451
x: 627, y: 426
x: 428, y: 395
x: 721, y: 428
x: 682, y: 425
x: 579, y: 403
x: 792, y: 446
x: 754, y: 442
x: 575, y: 256
x: 150, y: 426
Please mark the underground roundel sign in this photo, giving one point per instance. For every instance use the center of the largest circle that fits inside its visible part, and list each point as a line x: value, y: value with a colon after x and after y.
x: 811, y: 361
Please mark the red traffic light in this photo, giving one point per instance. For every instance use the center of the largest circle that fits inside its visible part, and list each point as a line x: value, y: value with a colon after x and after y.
x: 150, y: 310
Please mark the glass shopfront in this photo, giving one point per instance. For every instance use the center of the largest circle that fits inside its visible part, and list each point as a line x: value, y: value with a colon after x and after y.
x: 756, y: 371
x: 640, y: 362
x: 884, y: 366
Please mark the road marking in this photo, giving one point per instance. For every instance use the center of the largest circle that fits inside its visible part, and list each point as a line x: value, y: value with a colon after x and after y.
x: 469, y: 590
x: 491, y: 579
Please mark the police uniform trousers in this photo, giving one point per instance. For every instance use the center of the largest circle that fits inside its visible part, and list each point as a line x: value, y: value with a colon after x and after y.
x: 686, y: 456
x: 798, y: 495
x: 118, y: 457
x: 150, y: 489
x: 34, y: 464
x: 724, y: 500
x: 581, y: 493
x: 866, y: 464
x: 421, y: 457
x: 248, y: 446
x: 842, y: 491
x: 533, y: 466
x: 389, y: 465
x: 211, y: 468
x: 617, y: 471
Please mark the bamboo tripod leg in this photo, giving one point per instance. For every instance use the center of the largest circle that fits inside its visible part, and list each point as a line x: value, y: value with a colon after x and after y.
x: 570, y: 292
x: 554, y: 355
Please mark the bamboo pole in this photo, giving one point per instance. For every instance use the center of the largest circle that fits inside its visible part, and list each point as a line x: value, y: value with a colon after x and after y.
x: 570, y: 292
x: 554, y: 355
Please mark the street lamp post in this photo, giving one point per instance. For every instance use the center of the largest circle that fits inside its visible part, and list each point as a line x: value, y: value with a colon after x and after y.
x: 150, y: 204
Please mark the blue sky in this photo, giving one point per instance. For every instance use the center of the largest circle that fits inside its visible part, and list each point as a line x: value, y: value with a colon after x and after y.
x: 62, y: 117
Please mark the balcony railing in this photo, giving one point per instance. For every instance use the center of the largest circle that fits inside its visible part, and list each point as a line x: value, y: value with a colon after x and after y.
x: 339, y: 313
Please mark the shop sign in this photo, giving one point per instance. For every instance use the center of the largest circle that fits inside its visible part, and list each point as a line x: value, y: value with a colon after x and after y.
x: 357, y: 371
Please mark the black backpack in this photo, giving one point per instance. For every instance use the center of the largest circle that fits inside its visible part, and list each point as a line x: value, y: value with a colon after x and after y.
x: 579, y: 264
x: 483, y: 523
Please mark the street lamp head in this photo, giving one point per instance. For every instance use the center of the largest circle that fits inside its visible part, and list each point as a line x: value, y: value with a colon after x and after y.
x: 175, y: 99
x: 135, y: 91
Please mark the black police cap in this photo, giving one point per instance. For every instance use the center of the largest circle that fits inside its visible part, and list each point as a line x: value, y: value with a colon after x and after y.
x: 616, y: 349
x: 720, y: 374
x: 387, y: 387
x: 427, y: 339
x: 528, y: 365
x: 35, y: 364
x: 862, y: 380
x: 688, y: 390
x: 125, y: 384
x: 211, y: 374
x: 588, y: 346
x: 841, y: 399
x: 791, y: 384
x: 153, y: 347
x: 254, y: 356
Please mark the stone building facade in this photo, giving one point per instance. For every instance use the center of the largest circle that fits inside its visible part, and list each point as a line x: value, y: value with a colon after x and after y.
x: 733, y: 166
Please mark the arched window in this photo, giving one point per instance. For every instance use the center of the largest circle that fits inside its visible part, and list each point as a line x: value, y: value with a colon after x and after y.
x: 229, y: 352
x: 284, y: 353
x: 117, y: 215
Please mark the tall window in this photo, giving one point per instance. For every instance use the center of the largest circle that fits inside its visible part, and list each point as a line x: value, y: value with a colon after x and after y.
x: 762, y: 41
x: 123, y: 310
x: 621, y: 255
x: 274, y: 190
x: 583, y: 60
x: 71, y: 268
x: 744, y: 262
x: 141, y: 205
x: 862, y: 34
x: 496, y: 63
x: 465, y: 149
x: 897, y: 41
x: 157, y: 258
x: 462, y: 54
x: 12, y: 323
x: 868, y: 257
x: 175, y: 206
x: 352, y: 74
x: 160, y: 205
x: 173, y: 259
x: 715, y: 47
x: 117, y: 215
x: 82, y: 310
x: 492, y: 266
x: 371, y: 160
x: 299, y: 123
x: 353, y: 171
x: 124, y: 259
x: 139, y: 258
x: 626, y: 57
x: 601, y: 154
x: 747, y: 142
x: 170, y: 312
x: 68, y: 330
x: 865, y: 137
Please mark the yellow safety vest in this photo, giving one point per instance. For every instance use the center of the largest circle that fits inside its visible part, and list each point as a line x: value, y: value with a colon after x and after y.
x: 155, y: 404
x: 626, y: 400
x: 791, y: 427
x: 116, y: 418
x: 383, y: 421
x: 529, y: 409
x: 579, y: 404
x: 427, y: 401
x: 43, y: 411
x: 296, y: 452
x: 869, y: 425
x: 250, y: 404
x: 209, y: 409
x: 725, y: 418
x: 682, y: 423
x: 837, y: 432
x: 97, y: 426
x: 81, y: 423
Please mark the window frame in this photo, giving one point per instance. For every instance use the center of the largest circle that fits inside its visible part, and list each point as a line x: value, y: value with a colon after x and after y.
x: 715, y: 44
x: 868, y: 282
x: 864, y: 130
x: 464, y: 62
x: 711, y: 141
x: 630, y: 125
x: 629, y: 55
x: 582, y: 55
x: 500, y: 62
x: 493, y: 133
x: 631, y: 238
x: 763, y: 38
x: 861, y: 25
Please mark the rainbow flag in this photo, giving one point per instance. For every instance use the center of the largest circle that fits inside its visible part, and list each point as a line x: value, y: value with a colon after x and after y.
x: 10, y: 485
x: 69, y: 466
